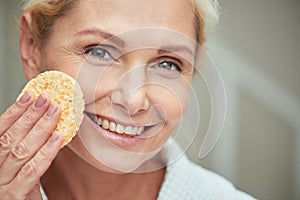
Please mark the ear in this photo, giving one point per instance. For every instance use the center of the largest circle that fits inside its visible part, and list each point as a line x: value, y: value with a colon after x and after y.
x: 30, y: 53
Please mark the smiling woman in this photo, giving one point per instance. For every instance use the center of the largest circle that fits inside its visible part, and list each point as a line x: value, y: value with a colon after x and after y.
x: 134, y: 61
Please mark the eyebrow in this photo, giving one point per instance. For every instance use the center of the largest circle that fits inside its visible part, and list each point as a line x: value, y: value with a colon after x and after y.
x: 176, y: 49
x: 96, y: 31
x: 118, y: 41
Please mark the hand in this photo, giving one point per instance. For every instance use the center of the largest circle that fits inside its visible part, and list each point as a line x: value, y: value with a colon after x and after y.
x: 27, y: 147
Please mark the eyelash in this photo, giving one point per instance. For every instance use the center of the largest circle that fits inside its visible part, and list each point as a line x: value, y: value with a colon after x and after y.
x: 175, y: 64
x: 89, y: 49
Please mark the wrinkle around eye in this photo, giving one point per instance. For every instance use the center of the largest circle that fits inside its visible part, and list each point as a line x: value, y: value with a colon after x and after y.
x: 99, y: 52
x: 154, y: 69
x: 98, y: 55
x: 169, y: 66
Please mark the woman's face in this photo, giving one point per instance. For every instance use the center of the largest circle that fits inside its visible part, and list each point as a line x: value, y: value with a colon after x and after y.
x: 133, y: 62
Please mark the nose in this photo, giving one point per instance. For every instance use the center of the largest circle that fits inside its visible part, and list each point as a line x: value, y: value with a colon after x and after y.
x: 131, y: 91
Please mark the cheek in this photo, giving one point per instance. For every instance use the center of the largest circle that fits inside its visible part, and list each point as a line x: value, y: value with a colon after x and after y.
x: 95, y: 82
x: 55, y: 60
x: 173, y: 100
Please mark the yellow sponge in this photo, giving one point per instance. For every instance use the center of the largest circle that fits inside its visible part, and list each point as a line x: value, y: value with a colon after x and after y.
x: 63, y: 90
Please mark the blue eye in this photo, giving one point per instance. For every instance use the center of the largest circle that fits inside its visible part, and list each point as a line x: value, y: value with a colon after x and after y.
x: 168, y: 65
x: 99, y: 53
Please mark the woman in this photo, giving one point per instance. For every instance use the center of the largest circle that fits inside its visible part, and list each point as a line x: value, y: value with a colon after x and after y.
x: 134, y: 61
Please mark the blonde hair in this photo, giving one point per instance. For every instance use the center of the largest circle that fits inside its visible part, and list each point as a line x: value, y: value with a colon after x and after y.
x: 46, y: 12
x: 207, y: 13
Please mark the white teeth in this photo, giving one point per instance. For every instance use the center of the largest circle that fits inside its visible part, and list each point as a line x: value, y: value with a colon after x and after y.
x: 105, y: 124
x: 141, y: 129
x: 129, y: 130
x: 118, y: 128
x: 135, y: 130
x: 99, y: 121
x: 112, y: 126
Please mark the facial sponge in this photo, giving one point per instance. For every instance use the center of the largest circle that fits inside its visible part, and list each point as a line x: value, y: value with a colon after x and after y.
x: 64, y: 91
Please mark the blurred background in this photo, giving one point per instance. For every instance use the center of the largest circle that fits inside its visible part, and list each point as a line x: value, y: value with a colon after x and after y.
x: 257, y: 50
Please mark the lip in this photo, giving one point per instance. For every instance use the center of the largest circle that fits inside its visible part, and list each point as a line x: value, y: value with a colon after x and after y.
x: 114, y: 138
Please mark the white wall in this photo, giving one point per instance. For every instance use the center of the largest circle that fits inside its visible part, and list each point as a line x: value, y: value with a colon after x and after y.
x: 259, y: 59
x: 12, y: 78
x: 265, y: 33
x: 1, y: 56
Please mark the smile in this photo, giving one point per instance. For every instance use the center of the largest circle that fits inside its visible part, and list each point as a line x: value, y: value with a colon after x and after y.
x: 117, y: 128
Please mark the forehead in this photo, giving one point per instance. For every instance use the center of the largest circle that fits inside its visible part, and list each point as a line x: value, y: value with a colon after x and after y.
x: 117, y: 16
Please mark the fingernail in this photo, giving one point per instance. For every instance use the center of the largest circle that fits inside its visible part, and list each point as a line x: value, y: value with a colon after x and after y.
x: 25, y: 98
x: 54, y: 137
x: 40, y: 101
x: 52, y: 110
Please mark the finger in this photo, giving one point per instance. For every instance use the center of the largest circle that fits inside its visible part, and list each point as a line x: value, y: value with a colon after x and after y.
x: 15, y: 111
x: 35, y: 194
x: 27, y: 148
x: 32, y: 171
x: 22, y: 126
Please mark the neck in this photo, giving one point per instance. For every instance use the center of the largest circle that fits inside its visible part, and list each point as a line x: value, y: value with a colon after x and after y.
x: 70, y: 177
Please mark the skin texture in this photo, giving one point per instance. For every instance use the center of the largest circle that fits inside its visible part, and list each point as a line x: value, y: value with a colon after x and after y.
x: 111, y: 98
x: 112, y: 92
